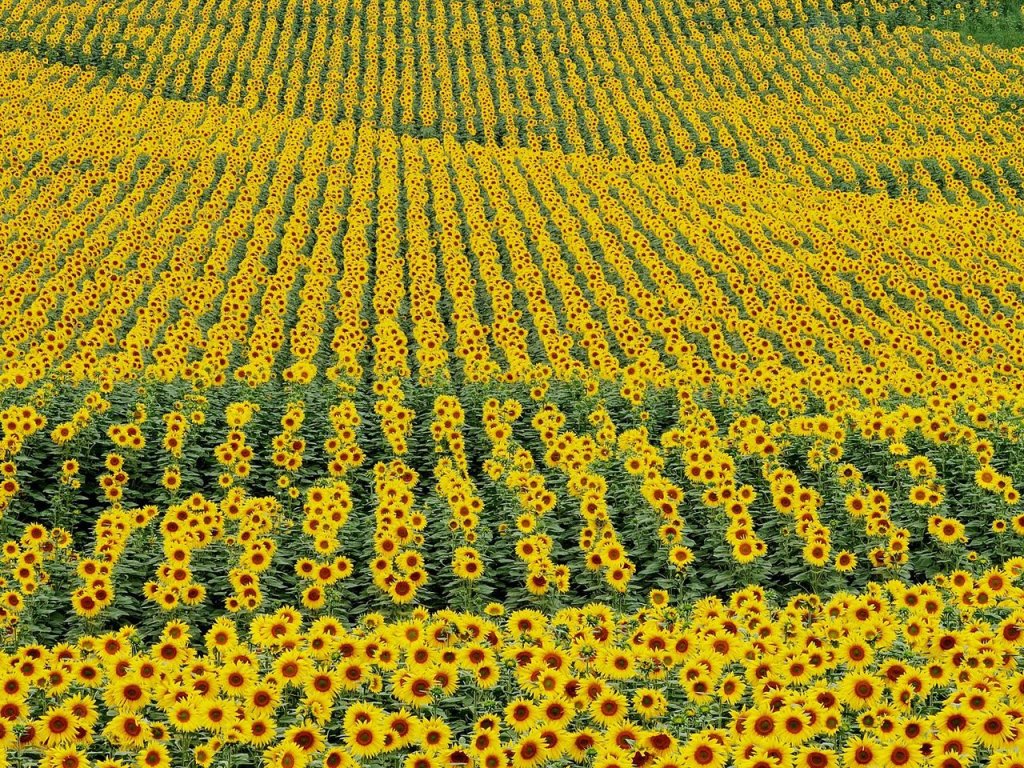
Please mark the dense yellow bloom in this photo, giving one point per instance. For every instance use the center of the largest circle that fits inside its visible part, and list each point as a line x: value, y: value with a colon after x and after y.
x: 609, y: 366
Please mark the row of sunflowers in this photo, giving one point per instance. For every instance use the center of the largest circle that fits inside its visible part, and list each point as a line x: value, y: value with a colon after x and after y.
x: 755, y: 88
x: 896, y: 675
x: 449, y: 342
x: 506, y: 384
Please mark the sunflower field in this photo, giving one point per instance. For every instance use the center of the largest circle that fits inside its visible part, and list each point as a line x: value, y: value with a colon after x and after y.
x: 511, y: 383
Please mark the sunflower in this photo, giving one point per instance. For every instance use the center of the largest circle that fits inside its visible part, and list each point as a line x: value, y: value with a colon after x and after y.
x: 950, y: 531
x: 414, y: 689
x: 522, y: 714
x: 204, y: 754
x: 816, y: 554
x: 703, y: 750
x: 616, y: 665
x: 285, y: 755
x: 65, y: 757
x: 57, y: 727
x: 491, y: 758
x: 219, y: 715
x: 658, y: 743
x: 795, y: 727
x: 608, y: 708
x: 731, y: 689
x: 171, y: 479
x: 236, y: 678
x: 83, y: 708
x: 815, y: 757
x: 698, y: 684
x: 337, y: 757
x: 186, y: 717
x: 85, y: 604
x: 680, y: 556
x: 579, y: 743
x: 845, y: 561
x: 13, y: 709
x: 434, y: 734
x: 994, y: 729
x: 260, y: 730
x: 763, y: 723
x: 306, y: 737
x: 863, y: 753
x: 154, y: 755
x: 860, y: 690
x: 126, y: 694
x: 322, y: 684
x: 264, y: 698
x: 365, y: 739
x: 649, y: 703
x: 313, y: 597
x: 402, y: 725
x: 485, y: 676
x: 529, y: 752
x: 855, y: 653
